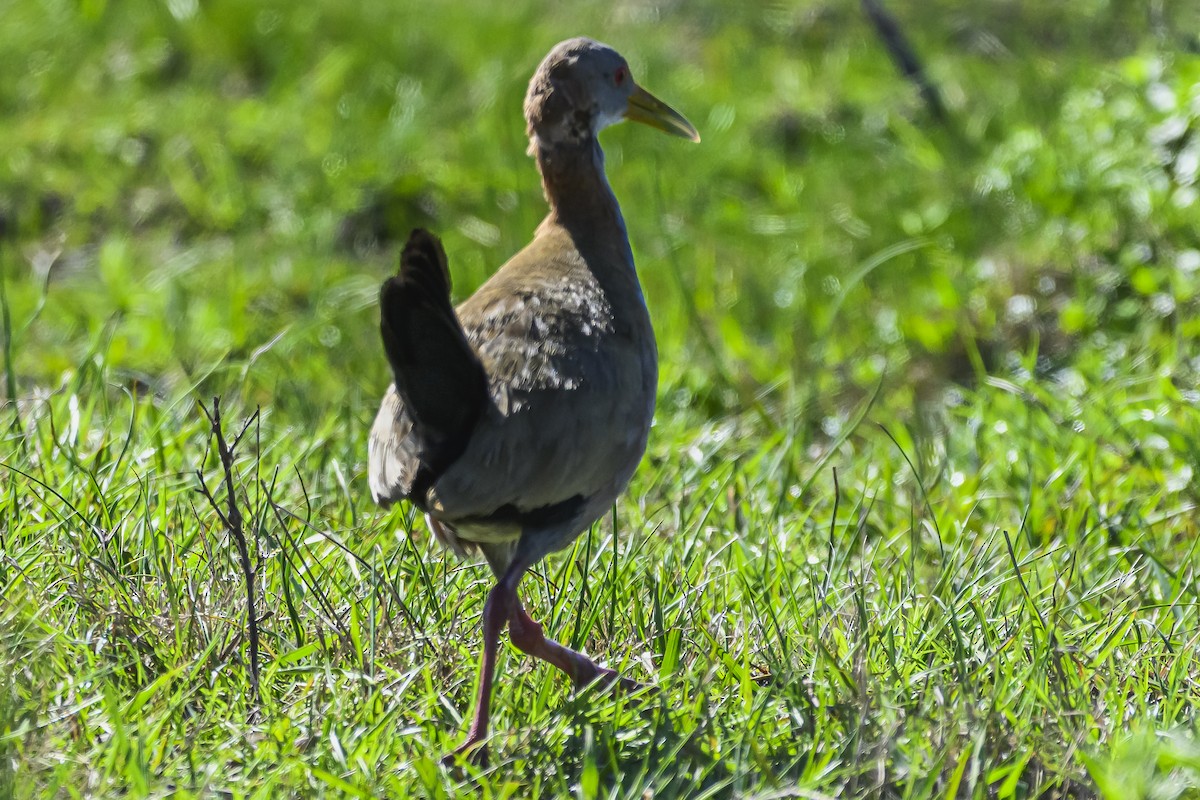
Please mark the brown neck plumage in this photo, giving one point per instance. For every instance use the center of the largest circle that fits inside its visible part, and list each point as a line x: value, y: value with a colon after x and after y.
x: 578, y: 192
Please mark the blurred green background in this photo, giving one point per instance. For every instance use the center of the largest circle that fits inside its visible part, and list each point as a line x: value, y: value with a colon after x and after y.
x: 196, y: 187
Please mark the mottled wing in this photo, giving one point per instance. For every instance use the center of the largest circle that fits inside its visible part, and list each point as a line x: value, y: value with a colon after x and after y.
x: 572, y: 387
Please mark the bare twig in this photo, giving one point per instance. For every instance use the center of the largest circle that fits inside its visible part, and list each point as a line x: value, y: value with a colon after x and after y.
x: 905, y: 57
x: 232, y: 519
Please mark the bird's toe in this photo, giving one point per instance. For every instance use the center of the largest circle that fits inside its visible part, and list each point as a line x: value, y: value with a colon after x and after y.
x: 472, y: 751
x: 611, y: 680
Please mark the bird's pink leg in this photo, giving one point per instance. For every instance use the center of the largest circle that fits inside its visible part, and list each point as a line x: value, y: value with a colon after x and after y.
x: 527, y: 635
x: 496, y: 612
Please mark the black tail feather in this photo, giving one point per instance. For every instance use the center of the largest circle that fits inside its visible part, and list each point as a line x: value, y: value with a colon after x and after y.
x: 438, y: 376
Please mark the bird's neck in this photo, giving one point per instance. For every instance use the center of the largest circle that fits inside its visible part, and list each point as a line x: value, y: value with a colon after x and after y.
x: 580, y: 199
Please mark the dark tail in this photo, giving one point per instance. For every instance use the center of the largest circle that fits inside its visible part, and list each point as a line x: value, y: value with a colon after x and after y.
x: 438, y: 376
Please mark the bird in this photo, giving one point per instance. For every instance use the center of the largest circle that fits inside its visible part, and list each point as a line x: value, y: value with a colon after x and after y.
x: 514, y: 421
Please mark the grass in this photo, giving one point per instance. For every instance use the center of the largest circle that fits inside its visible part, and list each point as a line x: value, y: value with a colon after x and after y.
x: 919, y: 513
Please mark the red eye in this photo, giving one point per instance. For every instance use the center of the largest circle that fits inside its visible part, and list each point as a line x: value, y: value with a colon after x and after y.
x: 620, y: 75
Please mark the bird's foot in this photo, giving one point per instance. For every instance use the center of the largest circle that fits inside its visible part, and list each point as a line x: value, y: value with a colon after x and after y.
x: 474, y: 751
x: 528, y: 637
x: 609, y: 679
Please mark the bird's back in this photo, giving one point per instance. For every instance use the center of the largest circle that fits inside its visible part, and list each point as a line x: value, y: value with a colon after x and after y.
x: 566, y: 344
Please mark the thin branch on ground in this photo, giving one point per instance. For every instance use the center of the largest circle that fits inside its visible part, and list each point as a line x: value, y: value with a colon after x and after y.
x: 233, y: 521
x: 905, y: 56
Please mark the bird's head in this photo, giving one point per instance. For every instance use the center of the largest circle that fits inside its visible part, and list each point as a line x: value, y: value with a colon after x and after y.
x: 582, y: 86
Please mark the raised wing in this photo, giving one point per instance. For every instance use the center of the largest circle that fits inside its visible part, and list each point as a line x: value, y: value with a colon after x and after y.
x: 440, y: 387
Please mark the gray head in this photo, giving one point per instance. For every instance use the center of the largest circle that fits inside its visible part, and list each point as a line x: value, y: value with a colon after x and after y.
x: 582, y: 86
